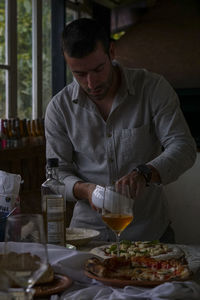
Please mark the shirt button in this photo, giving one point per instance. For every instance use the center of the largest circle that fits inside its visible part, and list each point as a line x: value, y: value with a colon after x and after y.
x: 109, y: 135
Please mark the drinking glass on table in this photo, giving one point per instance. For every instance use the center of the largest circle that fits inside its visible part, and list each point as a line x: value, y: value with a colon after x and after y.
x: 117, y: 211
x: 25, y: 250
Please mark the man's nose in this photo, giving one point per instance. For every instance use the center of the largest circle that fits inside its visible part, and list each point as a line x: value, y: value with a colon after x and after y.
x: 91, y: 81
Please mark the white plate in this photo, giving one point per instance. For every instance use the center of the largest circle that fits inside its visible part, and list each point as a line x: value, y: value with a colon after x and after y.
x: 80, y: 236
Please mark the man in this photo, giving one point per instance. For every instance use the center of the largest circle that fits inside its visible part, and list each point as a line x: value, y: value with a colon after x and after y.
x: 116, y: 125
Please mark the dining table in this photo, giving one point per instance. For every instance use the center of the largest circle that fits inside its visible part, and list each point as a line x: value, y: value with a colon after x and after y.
x: 70, y: 264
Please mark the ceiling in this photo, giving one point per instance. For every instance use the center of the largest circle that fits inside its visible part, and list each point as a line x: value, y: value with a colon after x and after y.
x: 119, y: 3
x: 165, y: 40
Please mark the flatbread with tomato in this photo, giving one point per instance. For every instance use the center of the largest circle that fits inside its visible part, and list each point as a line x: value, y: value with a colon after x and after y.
x: 137, y: 270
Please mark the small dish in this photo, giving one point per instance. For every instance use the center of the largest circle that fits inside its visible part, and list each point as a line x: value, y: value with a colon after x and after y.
x: 59, y: 284
x: 80, y: 236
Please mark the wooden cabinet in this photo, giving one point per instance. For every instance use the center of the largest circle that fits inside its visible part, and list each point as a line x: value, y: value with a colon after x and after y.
x: 30, y: 163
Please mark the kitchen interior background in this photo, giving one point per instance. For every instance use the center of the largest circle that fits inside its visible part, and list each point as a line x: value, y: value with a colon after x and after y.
x: 161, y: 36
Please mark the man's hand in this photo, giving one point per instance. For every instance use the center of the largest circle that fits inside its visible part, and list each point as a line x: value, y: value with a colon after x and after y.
x: 84, y: 190
x: 135, y: 181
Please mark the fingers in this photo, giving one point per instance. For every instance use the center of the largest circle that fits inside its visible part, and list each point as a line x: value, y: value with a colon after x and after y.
x: 94, y: 207
x: 135, y: 181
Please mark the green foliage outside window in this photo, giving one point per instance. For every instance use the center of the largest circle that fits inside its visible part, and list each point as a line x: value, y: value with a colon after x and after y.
x: 70, y: 16
x: 46, y: 54
x: 24, y: 57
x: 2, y: 32
x: 2, y: 58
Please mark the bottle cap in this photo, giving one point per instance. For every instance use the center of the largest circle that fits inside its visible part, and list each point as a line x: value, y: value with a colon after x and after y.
x: 52, y: 162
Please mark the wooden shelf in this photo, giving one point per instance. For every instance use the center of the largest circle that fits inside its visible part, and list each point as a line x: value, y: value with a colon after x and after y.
x: 30, y: 163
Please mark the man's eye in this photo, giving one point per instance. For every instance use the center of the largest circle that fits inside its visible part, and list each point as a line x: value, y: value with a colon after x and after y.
x: 80, y: 74
x: 99, y: 69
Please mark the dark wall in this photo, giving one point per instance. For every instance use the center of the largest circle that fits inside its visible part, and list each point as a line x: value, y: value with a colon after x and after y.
x: 166, y: 40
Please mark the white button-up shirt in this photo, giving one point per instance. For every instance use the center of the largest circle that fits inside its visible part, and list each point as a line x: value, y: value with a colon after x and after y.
x: 145, y: 119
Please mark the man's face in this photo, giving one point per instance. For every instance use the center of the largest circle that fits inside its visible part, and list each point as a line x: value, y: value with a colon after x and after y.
x: 93, y: 72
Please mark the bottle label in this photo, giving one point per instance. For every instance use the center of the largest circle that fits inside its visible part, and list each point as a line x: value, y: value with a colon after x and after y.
x: 55, y: 232
x: 55, y: 207
x: 55, y: 219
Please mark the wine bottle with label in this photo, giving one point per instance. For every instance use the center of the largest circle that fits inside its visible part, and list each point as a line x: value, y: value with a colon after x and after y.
x: 53, y: 205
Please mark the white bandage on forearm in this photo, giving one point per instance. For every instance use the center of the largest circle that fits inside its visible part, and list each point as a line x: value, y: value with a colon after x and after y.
x: 109, y: 201
x: 98, y: 196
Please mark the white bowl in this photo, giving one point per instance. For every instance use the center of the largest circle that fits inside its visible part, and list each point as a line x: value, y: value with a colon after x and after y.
x: 80, y: 236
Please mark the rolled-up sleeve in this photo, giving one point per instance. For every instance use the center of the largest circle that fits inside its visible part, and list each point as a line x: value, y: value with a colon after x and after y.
x: 59, y: 145
x: 173, y: 132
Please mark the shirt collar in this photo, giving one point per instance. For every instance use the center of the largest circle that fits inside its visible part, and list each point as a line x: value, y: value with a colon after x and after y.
x: 126, y: 81
x: 77, y: 92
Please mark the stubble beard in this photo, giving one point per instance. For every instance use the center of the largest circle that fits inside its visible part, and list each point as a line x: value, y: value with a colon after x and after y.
x: 105, y: 88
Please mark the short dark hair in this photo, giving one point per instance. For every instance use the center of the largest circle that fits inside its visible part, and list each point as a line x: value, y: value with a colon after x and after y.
x: 80, y: 37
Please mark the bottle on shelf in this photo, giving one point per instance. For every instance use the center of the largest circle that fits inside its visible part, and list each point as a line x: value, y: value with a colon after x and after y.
x: 28, y: 125
x: 9, y: 141
x: 53, y: 205
x: 39, y: 132
x: 22, y: 133
x: 34, y: 134
x: 14, y: 136
x: 25, y: 134
x: 1, y: 135
x: 18, y: 133
x: 4, y: 134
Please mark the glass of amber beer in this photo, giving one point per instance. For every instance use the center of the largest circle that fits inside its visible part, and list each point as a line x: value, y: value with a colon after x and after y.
x: 117, y: 211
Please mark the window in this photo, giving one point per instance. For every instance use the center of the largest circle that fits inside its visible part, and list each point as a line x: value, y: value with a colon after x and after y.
x: 46, y: 54
x: 3, y: 66
x: 74, y: 10
x: 2, y: 92
x: 26, y: 55
x: 25, y: 58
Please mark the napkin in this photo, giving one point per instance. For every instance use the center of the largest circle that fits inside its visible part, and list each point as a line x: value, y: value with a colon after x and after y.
x: 169, y: 291
x: 69, y: 262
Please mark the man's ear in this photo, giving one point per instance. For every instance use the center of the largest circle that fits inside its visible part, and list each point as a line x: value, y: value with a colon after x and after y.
x: 112, y: 50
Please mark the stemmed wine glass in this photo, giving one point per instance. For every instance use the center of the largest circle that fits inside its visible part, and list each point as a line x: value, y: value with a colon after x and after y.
x: 25, y: 250
x: 117, y: 211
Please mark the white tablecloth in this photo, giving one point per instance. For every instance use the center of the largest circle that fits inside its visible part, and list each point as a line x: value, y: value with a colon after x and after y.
x: 71, y: 263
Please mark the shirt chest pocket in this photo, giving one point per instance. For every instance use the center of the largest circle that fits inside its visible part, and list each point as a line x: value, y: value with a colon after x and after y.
x: 135, y: 143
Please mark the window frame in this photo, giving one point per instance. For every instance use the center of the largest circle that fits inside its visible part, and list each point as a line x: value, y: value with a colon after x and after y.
x: 37, y: 59
x: 10, y: 65
x: 58, y: 62
x: 58, y: 19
